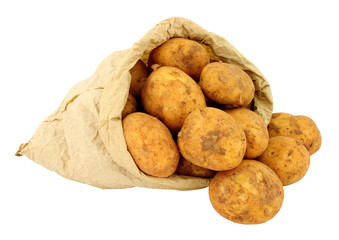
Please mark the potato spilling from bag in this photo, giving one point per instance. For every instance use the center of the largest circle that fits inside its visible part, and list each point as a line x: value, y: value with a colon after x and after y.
x: 142, y: 120
x: 255, y: 131
x: 212, y: 139
x: 287, y: 157
x: 301, y: 128
x: 249, y: 194
x: 223, y: 140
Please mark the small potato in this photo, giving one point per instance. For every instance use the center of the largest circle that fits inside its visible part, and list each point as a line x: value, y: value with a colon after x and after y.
x: 227, y: 84
x: 130, y: 107
x: 255, y: 130
x: 301, y: 128
x: 187, y: 55
x: 139, y: 75
x: 287, y: 157
x: 249, y: 194
x: 189, y: 169
x: 150, y: 144
x: 212, y: 139
x: 170, y: 95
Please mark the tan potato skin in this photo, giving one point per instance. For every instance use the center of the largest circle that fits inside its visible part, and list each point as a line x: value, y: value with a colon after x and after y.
x: 301, y: 128
x: 212, y: 139
x: 130, y: 107
x: 255, y: 130
x: 170, y: 95
x: 139, y: 75
x: 150, y: 144
x: 187, y: 55
x: 248, y: 194
x: 227, y: 84
x: 189, y: 169
x: 287, y: 157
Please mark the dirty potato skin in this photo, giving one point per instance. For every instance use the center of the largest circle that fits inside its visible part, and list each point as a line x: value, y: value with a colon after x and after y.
x: 212, y: 139
x: 301, y: 128
x: 287, y: 157
x: 170, y: 95
x: 130, y: 107
x: 139, y: 74
x: 189, y: 169
x: 255, y: 130
x: 150, y: 144
x: 187, y: 55
x: 227, y: 84
x: 248, y: 194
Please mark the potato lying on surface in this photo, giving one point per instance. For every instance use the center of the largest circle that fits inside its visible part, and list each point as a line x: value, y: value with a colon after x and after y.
x: 187, y: 55
x: 255, y: 130
x: 170, y: 95
x: 212, y: 139
x: 301, y: 128
x: 287, y: 157
x: 227, y: 84
x: 189, y: 169
x: 150, y: 144
x: 249, y: 194
x: 139, y: 75
x: 130, y: 107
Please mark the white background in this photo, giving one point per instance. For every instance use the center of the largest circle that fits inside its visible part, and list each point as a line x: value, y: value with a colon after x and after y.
x: 46, y: 48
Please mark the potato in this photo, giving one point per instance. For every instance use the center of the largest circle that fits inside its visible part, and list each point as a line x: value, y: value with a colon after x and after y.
x: 139, y: 75
x: 227, y: 84
x: 212, y: 139
x: 150, y: 144
x: 130, y: 107
x: 255, y: 130
x: 170, y: 95
x: 301, y: 128
x: 249, y: 194
x: 187, y: 55
x: 287, y: 157
x: 189, y: 169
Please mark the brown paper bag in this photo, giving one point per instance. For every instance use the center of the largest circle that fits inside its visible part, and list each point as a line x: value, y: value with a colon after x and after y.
x: 83, y: 139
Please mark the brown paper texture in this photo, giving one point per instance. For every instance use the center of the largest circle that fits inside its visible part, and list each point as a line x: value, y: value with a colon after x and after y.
x: 83, y: 139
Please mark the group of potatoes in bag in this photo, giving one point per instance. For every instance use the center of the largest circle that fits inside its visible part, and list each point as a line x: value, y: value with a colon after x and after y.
x: 190, y: 115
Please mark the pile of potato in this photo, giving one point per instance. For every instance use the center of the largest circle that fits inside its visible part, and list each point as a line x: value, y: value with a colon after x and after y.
x: 189, y: 115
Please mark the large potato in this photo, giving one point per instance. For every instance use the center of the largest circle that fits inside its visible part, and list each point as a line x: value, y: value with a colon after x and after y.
x: 227, y: 84
x: 150, y: 144
x: 130, y: 107
x: 287, y: 157
x: 212, y: 139
x: 301, y: 128
x: 170, y: 95
x: 187, y: 55
x: 255, y: 130
x: 249, y: 194
x: 189, y: 169
x: 139, y: 75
